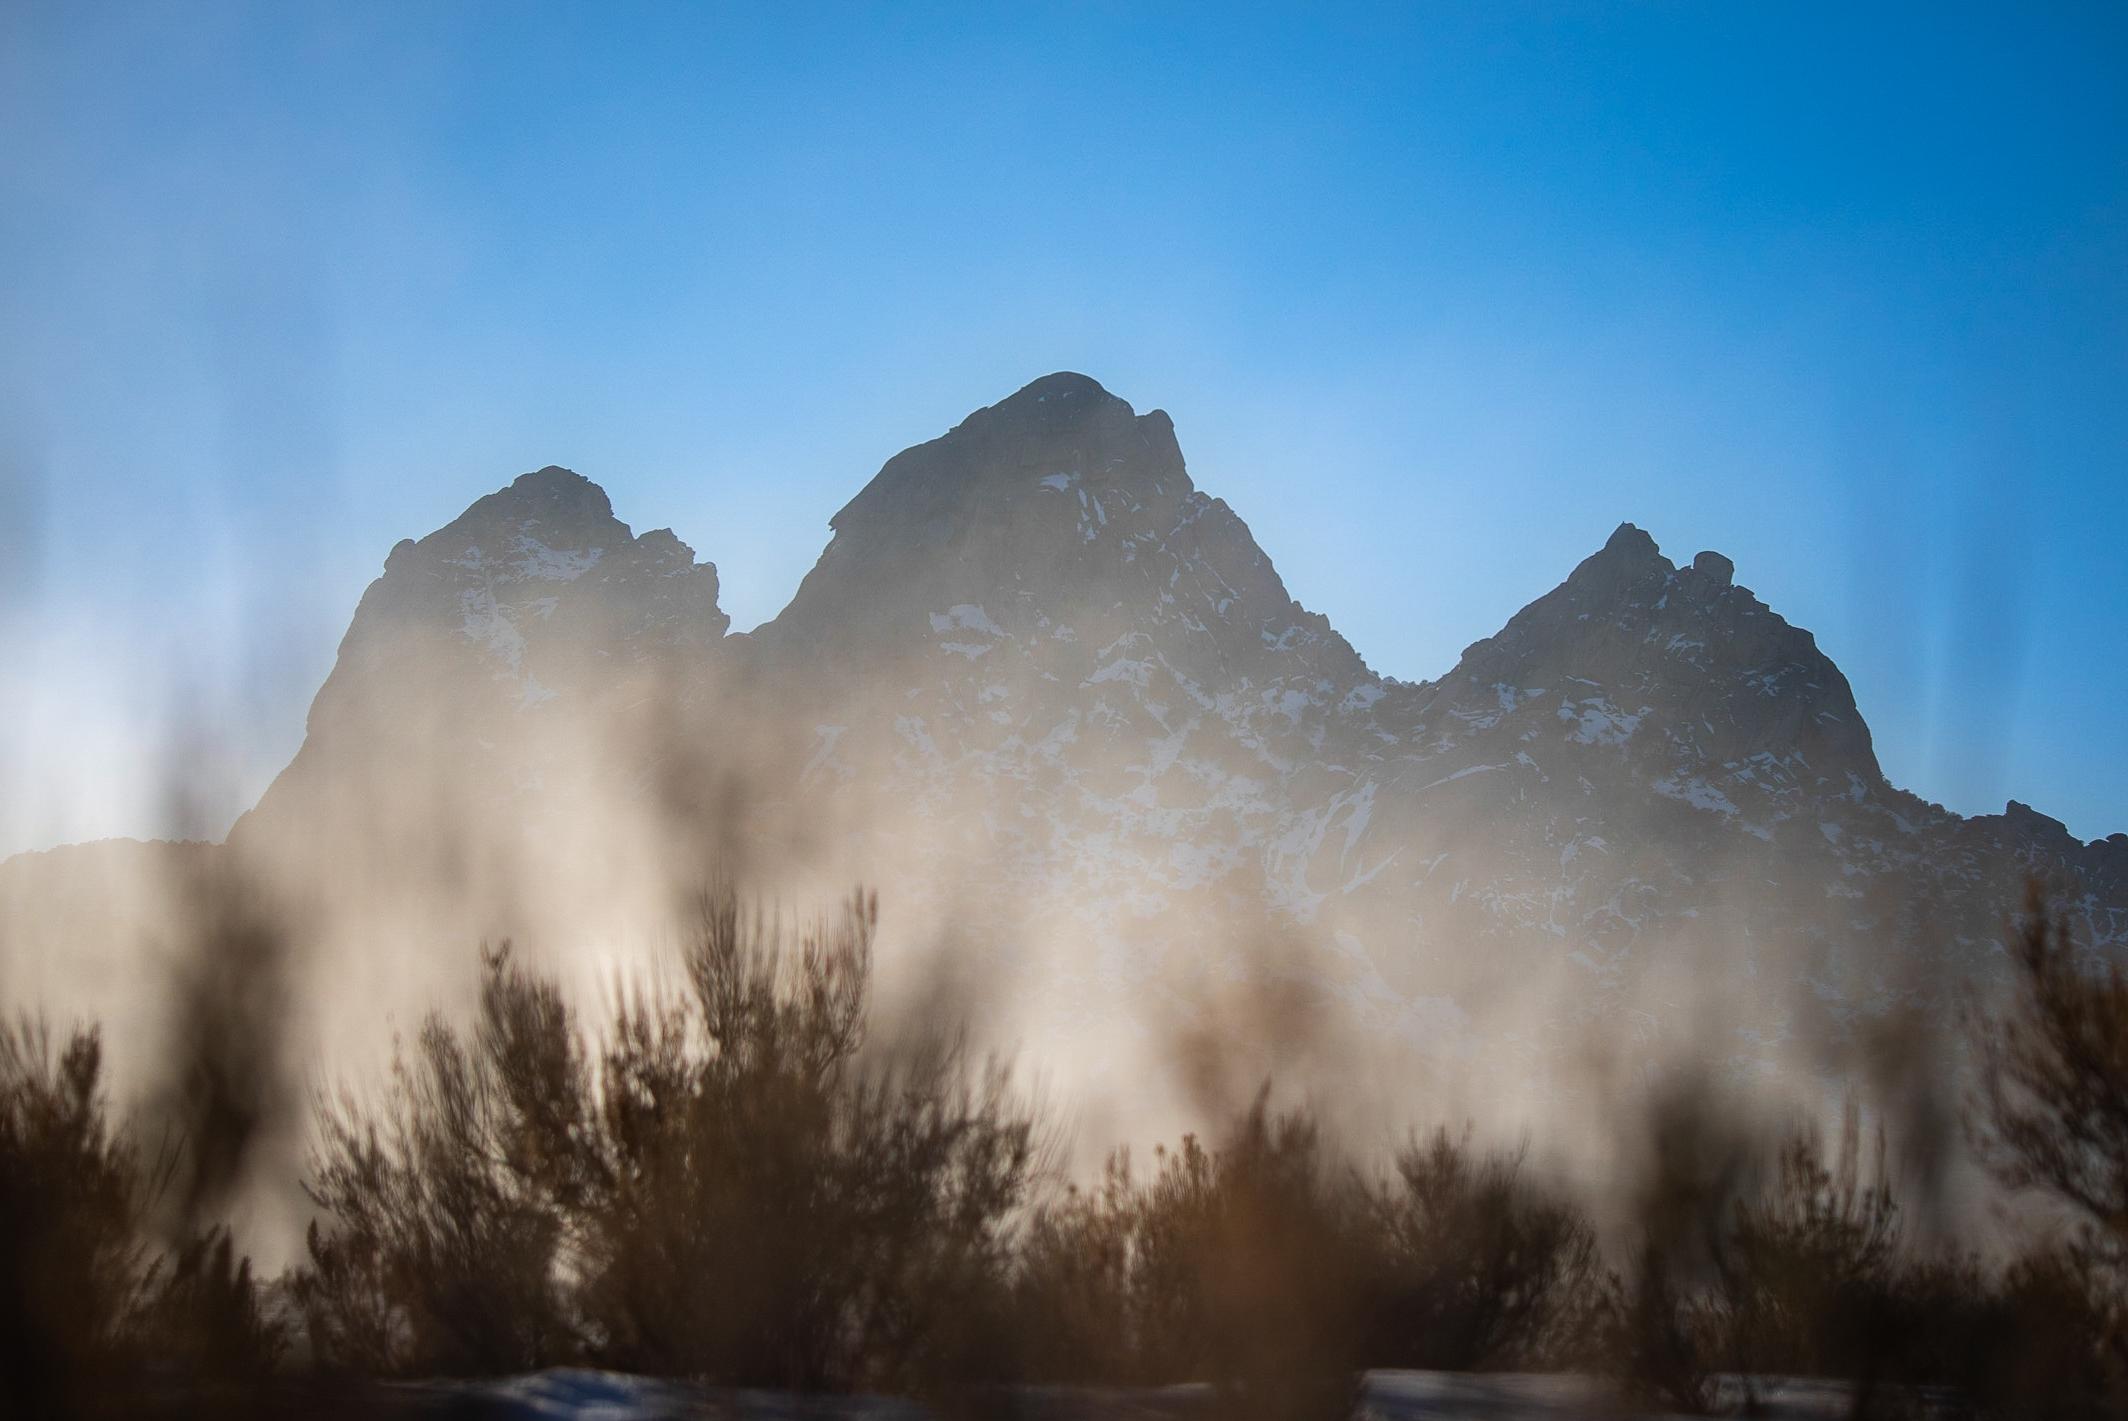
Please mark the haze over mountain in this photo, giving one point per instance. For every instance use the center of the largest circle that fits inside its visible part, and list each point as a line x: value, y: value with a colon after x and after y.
x: 1116, y: 783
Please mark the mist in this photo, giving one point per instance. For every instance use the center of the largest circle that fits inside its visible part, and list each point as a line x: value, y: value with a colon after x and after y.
x: 472, y: 777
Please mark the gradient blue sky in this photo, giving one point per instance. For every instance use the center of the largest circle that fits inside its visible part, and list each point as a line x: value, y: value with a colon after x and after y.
x: 1437, y: 295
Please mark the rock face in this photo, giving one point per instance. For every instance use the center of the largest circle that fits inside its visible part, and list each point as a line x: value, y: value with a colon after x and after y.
x: 485, y: 716
x: 1055, y: 702
x: 1036, y: 661
x: 532, y: 589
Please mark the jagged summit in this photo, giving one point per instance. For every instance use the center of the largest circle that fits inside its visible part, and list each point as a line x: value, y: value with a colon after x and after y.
x: 1630, y: 540
x: 1641, y: 639
x: 1058, y: 400
x: 1632, y: 551
x: 534, y: 605
x: 552, y: 494
x: 1630, y: 557
x: 1064, y: 406
x: 1061, y: 515
x: 545, y: 545
x: 1068, y: 405
x: 998, y: 459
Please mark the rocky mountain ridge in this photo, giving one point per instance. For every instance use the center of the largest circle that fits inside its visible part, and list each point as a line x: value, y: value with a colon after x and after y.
x: 1044, y: 690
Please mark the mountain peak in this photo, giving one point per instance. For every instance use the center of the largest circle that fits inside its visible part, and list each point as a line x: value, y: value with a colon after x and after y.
x: 550, y: 493
x: 544, y: 551
x: 2024, y: 817
x: 1629, y: 559
x: 1686, y: 645
x: 1061, y: 428
x: 1062, y: 388
x: 552, y: 476
x: 1631, y: 540
x: 1064, y: 407
x: 534, y: 602
x: 1630, y: 556
x: 1058, y: 512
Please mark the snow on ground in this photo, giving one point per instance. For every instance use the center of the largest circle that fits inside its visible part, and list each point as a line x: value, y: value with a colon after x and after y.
x: 580, y: 1395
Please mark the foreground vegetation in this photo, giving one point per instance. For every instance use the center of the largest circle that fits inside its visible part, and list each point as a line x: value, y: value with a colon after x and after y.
x: 725, y: 1181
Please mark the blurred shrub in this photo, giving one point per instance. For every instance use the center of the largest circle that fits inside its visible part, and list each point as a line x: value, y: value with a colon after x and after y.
x: 1276, y: 1270
x: 1748, y: 1269
x: 2051, y: 1120
x: 92, y: 1304
x: 75, y: 1267
x: 723, y: 1189
x: 1748, y: 1266
x: 1479, y: 1267
x: 723, y: 1181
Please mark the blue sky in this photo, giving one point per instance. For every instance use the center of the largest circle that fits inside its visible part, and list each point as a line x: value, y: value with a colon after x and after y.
x: 1437, y: 295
